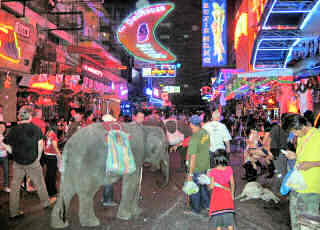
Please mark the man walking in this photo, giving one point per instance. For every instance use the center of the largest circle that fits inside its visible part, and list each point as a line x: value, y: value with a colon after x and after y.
x: 218, y: 132
x: 26, y: 141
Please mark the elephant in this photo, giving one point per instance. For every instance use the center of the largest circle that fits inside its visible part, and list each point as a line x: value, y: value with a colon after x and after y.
x: 83, y: 171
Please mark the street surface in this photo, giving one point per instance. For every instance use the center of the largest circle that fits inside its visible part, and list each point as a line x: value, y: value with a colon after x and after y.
x: 163, y: 208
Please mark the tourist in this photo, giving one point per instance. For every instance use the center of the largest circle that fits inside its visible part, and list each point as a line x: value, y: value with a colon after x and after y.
x: 218, y: 132
x: 52, y: 156
x: 307, y: 158
x: 26, y: 141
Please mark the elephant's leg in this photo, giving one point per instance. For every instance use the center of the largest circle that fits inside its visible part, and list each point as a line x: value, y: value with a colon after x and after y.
x: 129, y: 197
x: 59, y: 212
x: 86, y: 212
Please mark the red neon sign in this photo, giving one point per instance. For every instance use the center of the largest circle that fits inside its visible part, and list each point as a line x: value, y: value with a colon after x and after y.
x: 241, y: 28
x: 137, y: 33
x: 9, y: 46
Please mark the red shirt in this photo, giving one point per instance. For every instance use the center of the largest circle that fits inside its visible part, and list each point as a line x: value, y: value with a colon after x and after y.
x: 49, y: 149
x: 40, y: 123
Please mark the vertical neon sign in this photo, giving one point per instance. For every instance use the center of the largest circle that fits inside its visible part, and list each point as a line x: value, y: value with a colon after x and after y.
x: 214, y: 33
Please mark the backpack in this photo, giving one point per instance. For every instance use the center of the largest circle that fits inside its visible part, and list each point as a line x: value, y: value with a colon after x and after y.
x: 176, y: 137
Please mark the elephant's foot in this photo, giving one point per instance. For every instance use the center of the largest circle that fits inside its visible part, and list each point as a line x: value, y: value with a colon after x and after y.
x: 89, y: 222
x: 59, y: 224
x: 57, y: 219
x: 137, y: 211
x: 124, y: 215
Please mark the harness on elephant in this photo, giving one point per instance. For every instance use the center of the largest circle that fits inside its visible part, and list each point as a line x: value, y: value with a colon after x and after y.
x: 120, y: 159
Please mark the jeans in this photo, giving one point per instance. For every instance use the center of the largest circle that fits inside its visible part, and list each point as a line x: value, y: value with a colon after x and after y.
x: 51, y: 174
x: 301, y: 203
x: 107, y: 195
x: 201, y: 199
x: 4, y: 162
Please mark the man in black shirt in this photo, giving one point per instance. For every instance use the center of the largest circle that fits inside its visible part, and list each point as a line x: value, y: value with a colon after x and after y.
x: 26, y: 141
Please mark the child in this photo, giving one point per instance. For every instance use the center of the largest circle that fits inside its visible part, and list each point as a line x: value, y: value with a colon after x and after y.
x: 221, y: 210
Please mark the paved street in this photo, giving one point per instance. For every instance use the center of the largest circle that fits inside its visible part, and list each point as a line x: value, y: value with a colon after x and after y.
x: 163, y: 208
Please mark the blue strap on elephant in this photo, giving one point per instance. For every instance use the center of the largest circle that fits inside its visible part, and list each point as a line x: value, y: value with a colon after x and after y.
x: 120, y: 159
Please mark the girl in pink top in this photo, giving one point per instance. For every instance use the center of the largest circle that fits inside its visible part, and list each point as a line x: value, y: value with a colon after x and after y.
x: 221, y: 210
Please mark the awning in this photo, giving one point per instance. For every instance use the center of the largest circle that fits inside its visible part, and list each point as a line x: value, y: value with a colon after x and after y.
x: 97, y: 53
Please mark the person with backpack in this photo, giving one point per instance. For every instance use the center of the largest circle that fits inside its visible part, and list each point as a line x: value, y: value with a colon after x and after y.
x: 26, y: 141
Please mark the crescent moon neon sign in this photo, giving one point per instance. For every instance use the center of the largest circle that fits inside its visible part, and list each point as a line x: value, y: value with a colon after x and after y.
x: 137, y: 34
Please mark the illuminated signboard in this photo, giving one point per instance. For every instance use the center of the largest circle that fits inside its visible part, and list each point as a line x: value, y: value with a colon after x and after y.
x: 137, y: 34
x: 93, y: 70
x: 171, y: 89
x: 9, y: 46
x: 159, y: 71
x: 214, y: 33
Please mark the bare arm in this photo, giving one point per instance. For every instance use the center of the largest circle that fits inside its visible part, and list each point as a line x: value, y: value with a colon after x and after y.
x: 227, y: 146
x: 7, y: 147
x: 232, y: 186
x: 212, y: 183
x: 192, y: 163
x: 40, y: 148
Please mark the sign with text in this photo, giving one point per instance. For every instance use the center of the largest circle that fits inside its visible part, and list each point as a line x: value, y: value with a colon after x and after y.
x: 137, y: 34
x: 163, y: 70
x: 214, y: 33
x: 17, y: 43
x: 171, y: 89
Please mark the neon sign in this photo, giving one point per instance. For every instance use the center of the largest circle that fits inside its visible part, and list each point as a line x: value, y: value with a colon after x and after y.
x: 241, y: 28
x: 9, y: 46
x: 214, y: 33
x: 162, y: 70
x: 93, y: 70
x: 43, y: 85
x: 137, y: 34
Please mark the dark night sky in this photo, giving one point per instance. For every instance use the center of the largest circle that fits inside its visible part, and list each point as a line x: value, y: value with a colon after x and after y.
x: 185, y: 43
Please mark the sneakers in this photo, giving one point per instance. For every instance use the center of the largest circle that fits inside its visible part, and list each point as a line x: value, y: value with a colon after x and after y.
x: 7, y: 189
x: 52, y: 201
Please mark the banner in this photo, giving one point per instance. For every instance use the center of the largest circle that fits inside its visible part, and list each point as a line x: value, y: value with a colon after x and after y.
x: 214, y: 33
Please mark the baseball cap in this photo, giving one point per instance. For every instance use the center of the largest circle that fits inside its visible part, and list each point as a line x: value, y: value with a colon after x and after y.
x: 195, y: 120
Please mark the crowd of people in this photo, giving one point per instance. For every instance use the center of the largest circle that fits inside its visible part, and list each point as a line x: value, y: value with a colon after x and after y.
x: 203, y: 142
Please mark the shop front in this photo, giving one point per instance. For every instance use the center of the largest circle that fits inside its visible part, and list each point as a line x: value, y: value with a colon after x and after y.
x: 17, y: 48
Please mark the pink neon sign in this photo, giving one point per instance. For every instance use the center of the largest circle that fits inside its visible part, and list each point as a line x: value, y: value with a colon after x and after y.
x: 137, y: 34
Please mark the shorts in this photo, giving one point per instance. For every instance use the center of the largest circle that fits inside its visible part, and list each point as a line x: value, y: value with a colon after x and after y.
x: 222, y: 220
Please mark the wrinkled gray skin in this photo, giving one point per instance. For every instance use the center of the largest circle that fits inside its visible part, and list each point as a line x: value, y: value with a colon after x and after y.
x: 84, y: 158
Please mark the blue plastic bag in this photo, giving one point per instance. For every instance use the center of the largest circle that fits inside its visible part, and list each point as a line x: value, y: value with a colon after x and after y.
x: 284, y: 189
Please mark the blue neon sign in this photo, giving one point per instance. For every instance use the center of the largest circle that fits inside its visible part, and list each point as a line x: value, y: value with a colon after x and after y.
x: 214, y: 33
